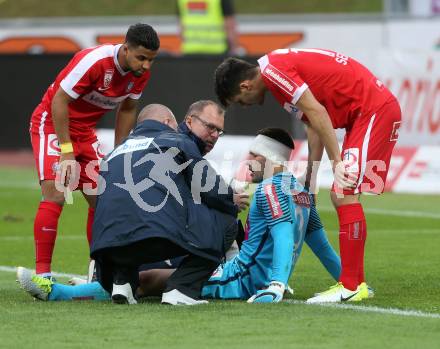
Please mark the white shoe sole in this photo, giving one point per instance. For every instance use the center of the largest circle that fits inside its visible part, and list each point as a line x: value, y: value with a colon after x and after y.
x: 24, y: 278
x: 334, y: 299
x: 91, y: 274
x: 175, y: 297
x: 122, y: 294
x: 77, y: 281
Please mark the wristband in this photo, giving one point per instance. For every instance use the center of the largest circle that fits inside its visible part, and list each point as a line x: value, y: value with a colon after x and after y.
x: 66, y: 148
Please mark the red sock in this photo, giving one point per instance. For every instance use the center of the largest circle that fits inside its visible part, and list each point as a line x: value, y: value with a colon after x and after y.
x: 45, y: 234
x: 352, y: 235
x: 90, y: 217
x: 361, y: 274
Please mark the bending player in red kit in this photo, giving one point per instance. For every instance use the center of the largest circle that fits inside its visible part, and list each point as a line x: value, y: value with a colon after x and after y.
x: 328, y: 90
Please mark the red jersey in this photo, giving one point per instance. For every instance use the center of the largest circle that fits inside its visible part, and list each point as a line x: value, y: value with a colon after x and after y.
x: 342, y: 85
x: 98, y: 84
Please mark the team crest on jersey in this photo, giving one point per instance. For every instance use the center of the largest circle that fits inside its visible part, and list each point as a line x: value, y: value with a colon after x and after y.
x: 272, y: 199
x: 129, y: 86
x: 395, y: 131
x: 108, y: 76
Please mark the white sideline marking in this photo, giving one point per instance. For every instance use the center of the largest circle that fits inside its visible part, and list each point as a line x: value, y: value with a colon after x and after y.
x: 54, y: 273
x: 385, y: 212
x: 360, y: 308
x: 83, y: 237
x: 373, y: 309
x: 19, y: 185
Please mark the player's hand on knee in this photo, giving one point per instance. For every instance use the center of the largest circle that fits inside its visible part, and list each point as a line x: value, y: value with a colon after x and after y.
x: 344, y: 178
x: 272, y: 294
x: 67, y: 171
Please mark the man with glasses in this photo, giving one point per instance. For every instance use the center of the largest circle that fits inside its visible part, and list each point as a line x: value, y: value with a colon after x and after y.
x: 209, y: 127
x: 204, y: 119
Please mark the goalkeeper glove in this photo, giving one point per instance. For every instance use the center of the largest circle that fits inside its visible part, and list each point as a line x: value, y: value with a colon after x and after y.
x: 272, y: 294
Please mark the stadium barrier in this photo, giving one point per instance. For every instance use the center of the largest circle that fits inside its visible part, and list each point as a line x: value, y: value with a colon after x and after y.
x: 175, y: 82
x: 258, y: 34
x: 411, y: 75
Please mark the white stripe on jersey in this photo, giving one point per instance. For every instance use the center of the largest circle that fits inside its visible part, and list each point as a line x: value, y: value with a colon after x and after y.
x: 42, y: 145
x: 115, y: 60
x: 298, y: 93
x: 365, y: 153
x: 135, y: 95
x: 314, y: 50
x: 83, y: 66
x: 263, y: 62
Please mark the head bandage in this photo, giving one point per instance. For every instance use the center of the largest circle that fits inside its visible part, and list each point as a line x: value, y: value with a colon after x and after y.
x: 271, y: 149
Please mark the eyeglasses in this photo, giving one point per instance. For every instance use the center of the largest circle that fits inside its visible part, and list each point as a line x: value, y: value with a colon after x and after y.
x: 210, y: 127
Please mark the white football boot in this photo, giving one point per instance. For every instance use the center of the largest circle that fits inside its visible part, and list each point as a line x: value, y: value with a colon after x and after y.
x: 175, y: 297
x: 337, y: 293
x: 123, y: 294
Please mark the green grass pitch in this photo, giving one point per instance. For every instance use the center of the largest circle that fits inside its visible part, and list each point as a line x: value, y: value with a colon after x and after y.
x: 402, y: 264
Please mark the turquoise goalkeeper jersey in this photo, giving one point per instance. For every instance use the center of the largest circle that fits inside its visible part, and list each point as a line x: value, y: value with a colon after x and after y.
x: 277, y: 223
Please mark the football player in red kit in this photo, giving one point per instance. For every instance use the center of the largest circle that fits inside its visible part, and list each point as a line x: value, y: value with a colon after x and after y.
x: 328, y: 90
x: 62, y: 128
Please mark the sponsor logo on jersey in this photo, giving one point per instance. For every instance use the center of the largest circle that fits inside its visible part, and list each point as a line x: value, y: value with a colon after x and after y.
x: 131, y: 145
x: 53, y: 147
x: 272, y: 199
x: 301, y: 199
x: 280, y: 78
x: 104, y: 102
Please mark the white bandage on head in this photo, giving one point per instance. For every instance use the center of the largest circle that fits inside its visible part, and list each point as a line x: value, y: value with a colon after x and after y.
x: 271, y: 149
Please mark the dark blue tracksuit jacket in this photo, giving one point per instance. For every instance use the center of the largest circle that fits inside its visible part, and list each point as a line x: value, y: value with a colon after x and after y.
x: 140, y: 200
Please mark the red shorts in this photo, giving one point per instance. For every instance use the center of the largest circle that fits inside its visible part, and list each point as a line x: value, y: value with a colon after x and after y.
x: 47, y: 154
x: 368, y: 146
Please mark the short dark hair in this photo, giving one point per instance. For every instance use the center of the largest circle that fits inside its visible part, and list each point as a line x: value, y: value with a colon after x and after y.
x: 198, y: 107
x: 228, y: 76
x: 279, y: 135
x: 142, y: 35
